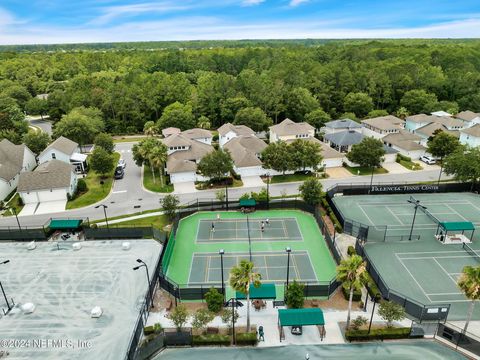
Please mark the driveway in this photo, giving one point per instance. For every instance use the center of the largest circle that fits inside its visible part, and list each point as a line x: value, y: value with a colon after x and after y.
x: 252, y: 181
x: 338, y: 173
x: 184, y: 187
x: 28, y: 209
x: 395, y: 168
x: 48, y: 207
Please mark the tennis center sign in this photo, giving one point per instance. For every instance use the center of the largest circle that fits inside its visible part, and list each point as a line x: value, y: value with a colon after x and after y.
x: 391, y: 189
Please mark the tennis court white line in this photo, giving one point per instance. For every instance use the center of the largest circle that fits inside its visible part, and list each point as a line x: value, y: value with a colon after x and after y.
x: 436, y: 257
x: 395, y: 216
x: 455, y: 212
x: 439, y: 294
x: 368, y: 218
x: 445, y: 271
x: 430, y: 252
x: 416, y: 282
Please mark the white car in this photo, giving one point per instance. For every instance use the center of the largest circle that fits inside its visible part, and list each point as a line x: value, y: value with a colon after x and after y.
x: 428, y: 160
x: 122, y: 163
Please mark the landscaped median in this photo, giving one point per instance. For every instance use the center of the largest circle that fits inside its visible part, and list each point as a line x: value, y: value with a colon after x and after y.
x: 407, y: 162
x: 378, y: 334
x: 359, y: 170
x: 159, y: 185
x: 96, y: 191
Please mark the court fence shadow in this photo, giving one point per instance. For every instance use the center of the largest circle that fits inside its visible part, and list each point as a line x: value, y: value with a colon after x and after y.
x: 458, y: 338
x: 185, y: 292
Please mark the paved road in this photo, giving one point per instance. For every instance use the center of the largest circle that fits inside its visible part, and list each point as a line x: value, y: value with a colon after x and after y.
x: 45, y: 124
x: 128, y: 195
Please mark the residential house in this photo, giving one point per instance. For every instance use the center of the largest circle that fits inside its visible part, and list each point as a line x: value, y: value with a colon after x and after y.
x: 342, y: 141
x: 183, y: 156
x: 14, y: 159
x: 408, y: 144
x: 51, y: 182
x: 427, y: 131
x: 469, y: 117
x: 228, y: 131
x: 170, y: 131
x: 246, y: 152
x: 197, y: 134
x: 65, y: 150
x: 415, y: 122
x: 470, y: 136
x: 335, y: 126
x: 331, y: 157
x: 380, y: 126
x: 441, y: 113
x: 290, y: 130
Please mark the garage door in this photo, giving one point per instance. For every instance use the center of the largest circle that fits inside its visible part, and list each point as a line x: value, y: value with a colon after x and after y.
x: 330, y: 163
x: 250, y: 171
x: 29, y: 198
x: 182, y: 177
x: 54, y: 195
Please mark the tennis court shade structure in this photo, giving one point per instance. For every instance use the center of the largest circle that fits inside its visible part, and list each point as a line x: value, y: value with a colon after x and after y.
x: 457, y: 226
x: 301, y: 317
x: 264, y: 292
x: 248, y: 202
x: 61, y: 224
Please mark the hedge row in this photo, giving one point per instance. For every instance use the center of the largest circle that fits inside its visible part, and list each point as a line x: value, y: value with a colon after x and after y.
x: 224, y: 340
x: 247, y: 339
x: 403, y: 157
x: 377, y: 334
x: 331, y: 215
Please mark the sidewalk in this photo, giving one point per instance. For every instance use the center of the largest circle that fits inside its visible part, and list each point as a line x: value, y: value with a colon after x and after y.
x: 141, y: 216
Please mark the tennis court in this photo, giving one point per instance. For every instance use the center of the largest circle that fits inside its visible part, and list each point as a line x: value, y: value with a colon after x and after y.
x: 245, y: 228
x: 206, y: 267
x: 423, y: 269
x: 390, y: 216
x: 195, y: 259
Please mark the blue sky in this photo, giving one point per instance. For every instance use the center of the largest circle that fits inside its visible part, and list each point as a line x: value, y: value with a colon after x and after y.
x: 68, y: 21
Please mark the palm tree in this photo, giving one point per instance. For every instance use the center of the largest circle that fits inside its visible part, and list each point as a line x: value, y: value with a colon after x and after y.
x: 241, y: 277
x: 353, y: 274
x: 157, y: 159
x: 469, y: 283
x: 150, y: 129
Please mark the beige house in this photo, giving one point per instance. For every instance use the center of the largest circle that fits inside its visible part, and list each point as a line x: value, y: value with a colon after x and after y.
x: 331, y: 157
x: 170, y: 131
x: 246, y: 152
x: 471, y: 136
x: 469, y: 117
x: 383, y: 125
x: 290, y: 130
x: 405, y: 143
x: 197, y: 134
x: 429, y: 130
x: 228, y: 131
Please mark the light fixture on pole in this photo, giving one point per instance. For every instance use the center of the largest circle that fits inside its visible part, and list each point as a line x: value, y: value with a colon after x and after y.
x: 104, y: 212
x: 374, y: 300
x: 12, y: 209
x: 288, y: 250
x: 3, y: 291
x: 148, y: 279
x: 416, y: 203
x: 222, y: 252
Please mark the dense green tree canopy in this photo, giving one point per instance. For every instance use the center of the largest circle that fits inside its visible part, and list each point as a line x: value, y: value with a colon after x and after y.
x: 358, y: 103
x: 253, y: 117
x: 177, y: 115
x: 80, y: 125
x: 36, y: 141
x: 216, y: 164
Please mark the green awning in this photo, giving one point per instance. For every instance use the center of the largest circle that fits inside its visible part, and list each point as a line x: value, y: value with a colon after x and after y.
x: 298, y: 317
x: 457, y: 225
x: 265, y: 291
x: 64, y: 224
x: 247, y: 202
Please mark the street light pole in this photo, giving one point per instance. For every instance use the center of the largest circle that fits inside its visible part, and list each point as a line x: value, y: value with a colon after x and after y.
x: 416, y: 203
x: 288, y: 250
x: 104, y: 213
x: 373, y: 312
x: 148, y: 279
x: 3, y: 291
x: 226, y: 194
x: 16, y: 217
x: 268, y: 191
x: 233, y: 321
x: 221, y: 252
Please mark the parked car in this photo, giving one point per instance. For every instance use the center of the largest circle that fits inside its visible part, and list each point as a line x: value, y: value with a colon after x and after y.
x: 430, y: 160
x: 122, y: 163
x: 119, y: 172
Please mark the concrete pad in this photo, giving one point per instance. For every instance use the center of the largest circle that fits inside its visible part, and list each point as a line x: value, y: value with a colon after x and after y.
x: 184, y: 187
x: 395, y: 168
x: 338, y: 173
x: 28, y: 209
x: 426, y: 166
x: 252, y: 181
x: 48, y: 207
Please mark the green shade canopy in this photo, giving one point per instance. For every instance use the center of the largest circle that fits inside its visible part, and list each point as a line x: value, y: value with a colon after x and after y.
x: 64, y: 224
x: 298, y: 317
x: 457, y: 225
x: 265, y: 291
x: 247, y: 202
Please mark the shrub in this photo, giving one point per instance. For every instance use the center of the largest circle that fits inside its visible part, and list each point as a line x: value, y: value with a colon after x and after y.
x: 201, y: 318
x: 294, y: 296
x: 214, y: 300
x: 357, y: 294
x: 81, y: 186
x: 20, y: 201
x: 235, y: 175
x: 211, y: 339
x: 179, y: 316
x: 358, y: 322
x: 215, y: 137
x: 351, y: 251
x: 249, y: 339
x: 390, y: 312
x: 377, y: 334
x: 372, y: 289
x: 147, y: 330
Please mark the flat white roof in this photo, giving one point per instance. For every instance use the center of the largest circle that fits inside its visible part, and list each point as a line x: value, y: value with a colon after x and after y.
x: 78, y: 157
x: 65, y: 285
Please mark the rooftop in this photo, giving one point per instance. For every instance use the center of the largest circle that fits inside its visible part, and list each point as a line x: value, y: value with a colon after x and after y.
x: 11, y: 159
x: 388, y: 122
x: 343, y: 124
x: 237, y: 129
x: 170, y: 131
x: 473, y: 131
x: 467, y: 115
x: 345, y: 138
x: 289, y: 127
x: 429, y: 130
x: 53, y: 174
x: 197, y: 133
x: 63, y: 145
x: 404, y: 140
x: 244, y: 150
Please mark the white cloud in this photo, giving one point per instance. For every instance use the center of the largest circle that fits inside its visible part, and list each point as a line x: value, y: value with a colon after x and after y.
x: 294, y: 3
x: 252, y: 2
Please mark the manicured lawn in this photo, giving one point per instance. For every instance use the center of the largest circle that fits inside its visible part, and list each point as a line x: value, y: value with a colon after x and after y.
x: 410, y: 165
x: 96, y: 191
x: 156, y: 186
x: 14, y: 203
x: 204, y: 185
x: 276, y: 179
x: 365, y: 171
x: 158, y: 221
x: 129, y: 139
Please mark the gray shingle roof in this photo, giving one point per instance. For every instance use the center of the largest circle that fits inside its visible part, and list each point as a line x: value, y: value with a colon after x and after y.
x: 289, y: 127
x: 237, y: 129
x: 177, y: 140
x: 243, y: 150
x: 11, y: 159
x: 345, y: 138
x: 197, y: 133
x: 343, y: 124
x: 429, y: 129
x: 404, y: 140
x: 63, y: 145
x: 185, y: 160
x: 53, y: 174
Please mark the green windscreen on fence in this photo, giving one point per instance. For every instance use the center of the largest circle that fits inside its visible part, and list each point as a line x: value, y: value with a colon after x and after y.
x: 67, y: 224
x: 168, y: 252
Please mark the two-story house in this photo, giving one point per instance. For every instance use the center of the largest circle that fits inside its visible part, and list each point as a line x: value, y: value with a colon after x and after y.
x: 14, y: 159
x: 197, y: 134
x: 469, y: 117
x: 335, y: 126
x: 228, y: 131
x: 246, y: 154
x: 380, y: 126
x: 470, y: 136
x: 290, y: 130
x: 65, y: 150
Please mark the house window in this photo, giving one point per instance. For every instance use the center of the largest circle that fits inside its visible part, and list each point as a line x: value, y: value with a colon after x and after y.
x: 54, y: 156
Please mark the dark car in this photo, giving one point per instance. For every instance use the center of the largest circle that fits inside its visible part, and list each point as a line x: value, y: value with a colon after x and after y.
x: 119, y: 172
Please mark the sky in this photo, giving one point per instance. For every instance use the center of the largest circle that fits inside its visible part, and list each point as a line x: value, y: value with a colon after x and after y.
x: 80, y: 21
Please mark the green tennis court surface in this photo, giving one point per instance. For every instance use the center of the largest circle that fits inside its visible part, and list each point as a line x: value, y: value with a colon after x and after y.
x: 206, y: 267
x: 424, y: 270
x: 195, y: 259
x: 243, y: 229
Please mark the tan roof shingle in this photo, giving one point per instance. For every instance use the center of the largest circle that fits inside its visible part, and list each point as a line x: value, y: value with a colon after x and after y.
x: 404, y: 140
x: 11, y: 159
x: 467, y: 115
x: 197, y: 133
x: 63, y: 145
x: 289, y: 127
x: 244, y: 150
x: 473, y: 131
x: 388, y: 122
x: 237, y: 129
x: 53, y: 174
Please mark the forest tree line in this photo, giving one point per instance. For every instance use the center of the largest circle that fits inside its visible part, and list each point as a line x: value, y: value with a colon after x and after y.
x: 256, y: 86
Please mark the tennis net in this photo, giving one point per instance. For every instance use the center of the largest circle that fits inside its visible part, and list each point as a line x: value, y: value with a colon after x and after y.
x: 425, y: 210
x: 249, y: 239
x: 472, y: 252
